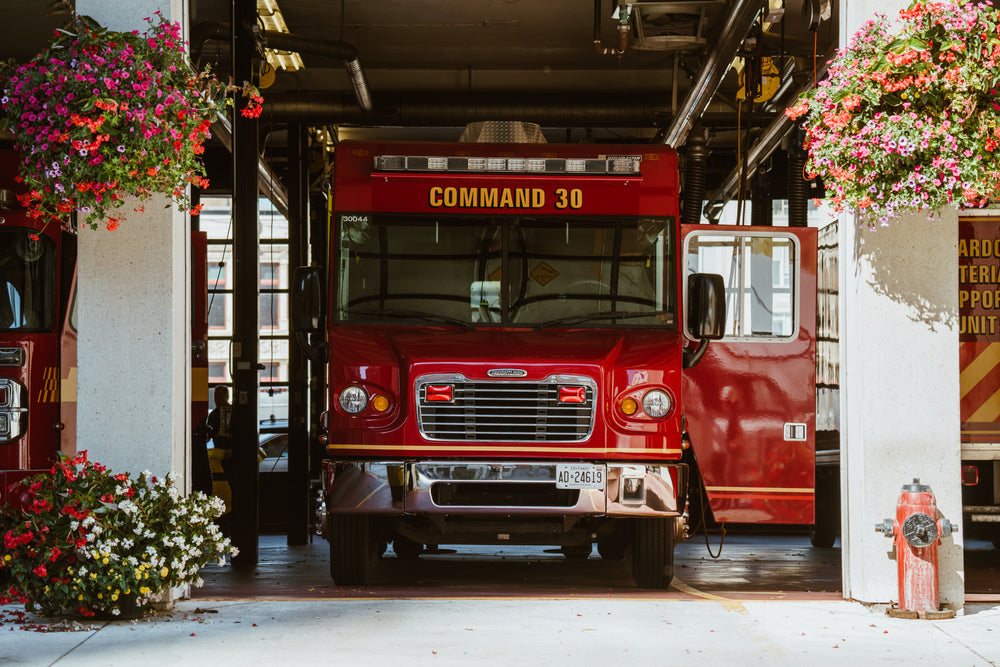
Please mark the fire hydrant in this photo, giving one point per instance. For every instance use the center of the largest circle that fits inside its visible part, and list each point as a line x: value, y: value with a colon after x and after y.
x: 916, y: 534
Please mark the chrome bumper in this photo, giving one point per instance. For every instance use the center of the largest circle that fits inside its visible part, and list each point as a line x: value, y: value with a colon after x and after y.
x: 495, y: 487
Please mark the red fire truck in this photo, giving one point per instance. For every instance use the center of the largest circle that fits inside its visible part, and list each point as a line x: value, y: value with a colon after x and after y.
x: 37, y: 338
x: 518, y: 346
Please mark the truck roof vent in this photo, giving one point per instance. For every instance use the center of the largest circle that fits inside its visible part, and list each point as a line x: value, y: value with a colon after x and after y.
x: 502, y: 132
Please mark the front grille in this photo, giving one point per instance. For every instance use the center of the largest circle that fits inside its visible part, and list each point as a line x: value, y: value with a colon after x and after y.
x: 506, y: 411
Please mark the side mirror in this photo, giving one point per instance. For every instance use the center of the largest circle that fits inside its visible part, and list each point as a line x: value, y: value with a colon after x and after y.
x: 306, y: 295
x: 706, y: 316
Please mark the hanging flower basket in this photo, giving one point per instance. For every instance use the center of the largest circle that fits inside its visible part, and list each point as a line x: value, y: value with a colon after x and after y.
x: 93, y: 543
x: 102, y: 118
x: 908, y: 118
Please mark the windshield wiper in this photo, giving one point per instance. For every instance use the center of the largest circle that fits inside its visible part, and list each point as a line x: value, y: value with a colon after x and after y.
x: 599, y: 315
x: 419, y: 314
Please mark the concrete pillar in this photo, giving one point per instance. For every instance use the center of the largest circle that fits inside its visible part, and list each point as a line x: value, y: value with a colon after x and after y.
x: 899, y: 379
x: 134, y: 349
x: 899, y: 392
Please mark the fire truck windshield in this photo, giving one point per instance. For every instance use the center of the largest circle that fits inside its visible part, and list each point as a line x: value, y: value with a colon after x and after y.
x: 506, y: 271
x: 27, y: 281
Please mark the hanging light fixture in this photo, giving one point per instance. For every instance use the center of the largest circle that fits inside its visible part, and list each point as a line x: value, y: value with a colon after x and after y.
x: 272, y: 20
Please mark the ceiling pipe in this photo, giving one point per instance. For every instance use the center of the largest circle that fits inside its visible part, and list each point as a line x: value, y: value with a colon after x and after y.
x: 283, y: 41
x: 455, y: 109
x: 766, y: 143
x: 710, y: 75
x: 343, y: 51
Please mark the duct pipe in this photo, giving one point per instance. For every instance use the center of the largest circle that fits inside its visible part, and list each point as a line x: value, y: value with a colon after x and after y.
x: 797, y: 185
x: 695, y: 167
x: 456, y: 109
x: 761, y: 206
x: 347, y: 53
x: 762, y: 148
x: 710, y: 76
x: 282, y: 41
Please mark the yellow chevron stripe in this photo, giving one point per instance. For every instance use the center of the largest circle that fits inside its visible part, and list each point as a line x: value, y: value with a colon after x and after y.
x: 988, y: 411
x: 987, y: 360
x: 49, y: 392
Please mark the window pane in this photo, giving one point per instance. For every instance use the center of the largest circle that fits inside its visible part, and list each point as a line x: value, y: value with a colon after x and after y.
x: 421, y: 267
x: 218, y: 311
x: 759, y: 273
x: 27, y: 281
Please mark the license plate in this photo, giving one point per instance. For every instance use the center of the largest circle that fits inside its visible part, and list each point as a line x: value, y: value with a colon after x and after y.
x: 579, y: 476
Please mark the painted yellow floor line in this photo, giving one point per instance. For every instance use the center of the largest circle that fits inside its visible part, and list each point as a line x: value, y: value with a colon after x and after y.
x: 731, y: 605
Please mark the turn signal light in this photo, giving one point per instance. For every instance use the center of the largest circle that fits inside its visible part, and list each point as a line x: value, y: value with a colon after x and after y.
x: 629, y: 406
x: 380, y: 403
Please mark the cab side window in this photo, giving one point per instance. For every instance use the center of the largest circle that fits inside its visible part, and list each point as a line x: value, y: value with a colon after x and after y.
x: 760, y: 273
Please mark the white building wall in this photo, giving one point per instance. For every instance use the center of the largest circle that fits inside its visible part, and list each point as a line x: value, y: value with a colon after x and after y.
x: 134, y: 316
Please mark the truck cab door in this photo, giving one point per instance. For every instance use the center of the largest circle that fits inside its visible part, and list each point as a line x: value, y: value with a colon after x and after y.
x: 750, y: 403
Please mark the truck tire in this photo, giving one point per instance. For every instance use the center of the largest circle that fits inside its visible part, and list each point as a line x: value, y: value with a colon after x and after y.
x: 354, y: 549
x: 652, y: 552
x: 821, y: 534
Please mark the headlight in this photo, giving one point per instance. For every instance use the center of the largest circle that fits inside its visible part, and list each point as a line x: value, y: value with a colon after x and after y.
x: 353, y: 400
x: 656, y: 403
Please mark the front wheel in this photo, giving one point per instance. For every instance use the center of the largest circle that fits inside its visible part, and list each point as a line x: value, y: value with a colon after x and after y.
x: 652, y: 552
x: 354, y: 549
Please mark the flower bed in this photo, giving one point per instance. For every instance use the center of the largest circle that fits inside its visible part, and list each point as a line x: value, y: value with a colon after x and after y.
x: 92, y: 542
x: 908, y: 118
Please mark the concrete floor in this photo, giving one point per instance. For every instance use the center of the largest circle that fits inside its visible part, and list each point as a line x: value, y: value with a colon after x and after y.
x: 769, y: 599
x: 753, y: 565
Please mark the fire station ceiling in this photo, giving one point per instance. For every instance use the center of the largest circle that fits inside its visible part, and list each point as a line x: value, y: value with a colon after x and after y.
x: 584, y: 70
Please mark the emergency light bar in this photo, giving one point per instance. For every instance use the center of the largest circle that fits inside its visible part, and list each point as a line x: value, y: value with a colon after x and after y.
x: 509, y: 165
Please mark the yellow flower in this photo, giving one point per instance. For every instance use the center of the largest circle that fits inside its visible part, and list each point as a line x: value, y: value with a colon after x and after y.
x: 164, y: 572
x: 114, y: 597
x: 100, y: 596
x: 80, y: 597
x: 104, y: 561
x: 6, y: 558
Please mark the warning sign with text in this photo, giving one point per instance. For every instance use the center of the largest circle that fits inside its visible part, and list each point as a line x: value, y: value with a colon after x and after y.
x: 979, y: 328
x: 979, y: 280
